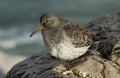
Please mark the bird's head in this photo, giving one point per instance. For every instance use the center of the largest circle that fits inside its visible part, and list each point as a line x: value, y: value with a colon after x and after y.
x: 47, y: 21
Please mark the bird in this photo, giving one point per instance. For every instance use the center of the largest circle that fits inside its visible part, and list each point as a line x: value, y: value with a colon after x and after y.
x: 64, y: 39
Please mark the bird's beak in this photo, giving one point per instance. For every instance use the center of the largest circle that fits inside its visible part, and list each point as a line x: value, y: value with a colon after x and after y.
x: 39, y: 27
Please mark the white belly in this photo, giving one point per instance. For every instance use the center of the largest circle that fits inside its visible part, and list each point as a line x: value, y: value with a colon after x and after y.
x: 66, y: 51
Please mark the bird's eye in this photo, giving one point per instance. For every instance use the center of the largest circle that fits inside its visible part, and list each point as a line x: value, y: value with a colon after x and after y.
x: 46, y: 20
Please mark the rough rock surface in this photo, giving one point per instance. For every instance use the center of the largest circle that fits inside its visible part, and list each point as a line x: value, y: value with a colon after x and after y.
x: 43, y: 65
x: 108, y: 31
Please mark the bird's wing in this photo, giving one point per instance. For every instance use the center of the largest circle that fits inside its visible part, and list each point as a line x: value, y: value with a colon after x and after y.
x: 79, y: 36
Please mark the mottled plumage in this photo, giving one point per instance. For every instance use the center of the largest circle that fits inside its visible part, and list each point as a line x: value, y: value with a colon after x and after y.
x: 64, y: 39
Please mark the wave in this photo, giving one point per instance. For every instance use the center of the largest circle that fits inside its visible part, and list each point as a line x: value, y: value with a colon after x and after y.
x: 17, y: 39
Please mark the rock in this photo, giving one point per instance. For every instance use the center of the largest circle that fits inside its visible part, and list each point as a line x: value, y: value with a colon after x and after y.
x: 107, y: 29
x: 43, y: 65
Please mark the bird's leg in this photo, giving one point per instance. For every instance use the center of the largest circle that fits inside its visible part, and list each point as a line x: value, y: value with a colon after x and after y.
x: 93, y: 50
x: 68, y: 64
x: 72, y: 63
x: 96, y: 49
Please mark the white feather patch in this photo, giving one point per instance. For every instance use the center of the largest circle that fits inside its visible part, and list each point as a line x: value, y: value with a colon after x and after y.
x: 66, y: 51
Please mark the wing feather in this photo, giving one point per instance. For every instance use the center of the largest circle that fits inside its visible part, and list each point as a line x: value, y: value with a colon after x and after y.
x: 79, y: 36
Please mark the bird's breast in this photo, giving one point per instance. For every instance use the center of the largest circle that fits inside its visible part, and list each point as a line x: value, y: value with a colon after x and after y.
x: 60, y: 46
x: 67, y: 51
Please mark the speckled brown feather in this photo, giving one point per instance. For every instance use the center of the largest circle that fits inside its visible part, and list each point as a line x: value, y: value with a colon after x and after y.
x: 80, y: 37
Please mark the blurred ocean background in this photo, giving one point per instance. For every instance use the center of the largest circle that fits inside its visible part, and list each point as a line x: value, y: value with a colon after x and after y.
x: 18, y: 18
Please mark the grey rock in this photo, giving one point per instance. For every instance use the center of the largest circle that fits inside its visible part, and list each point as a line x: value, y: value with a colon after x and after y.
x: 43, y: 65
x: 107, y: 29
